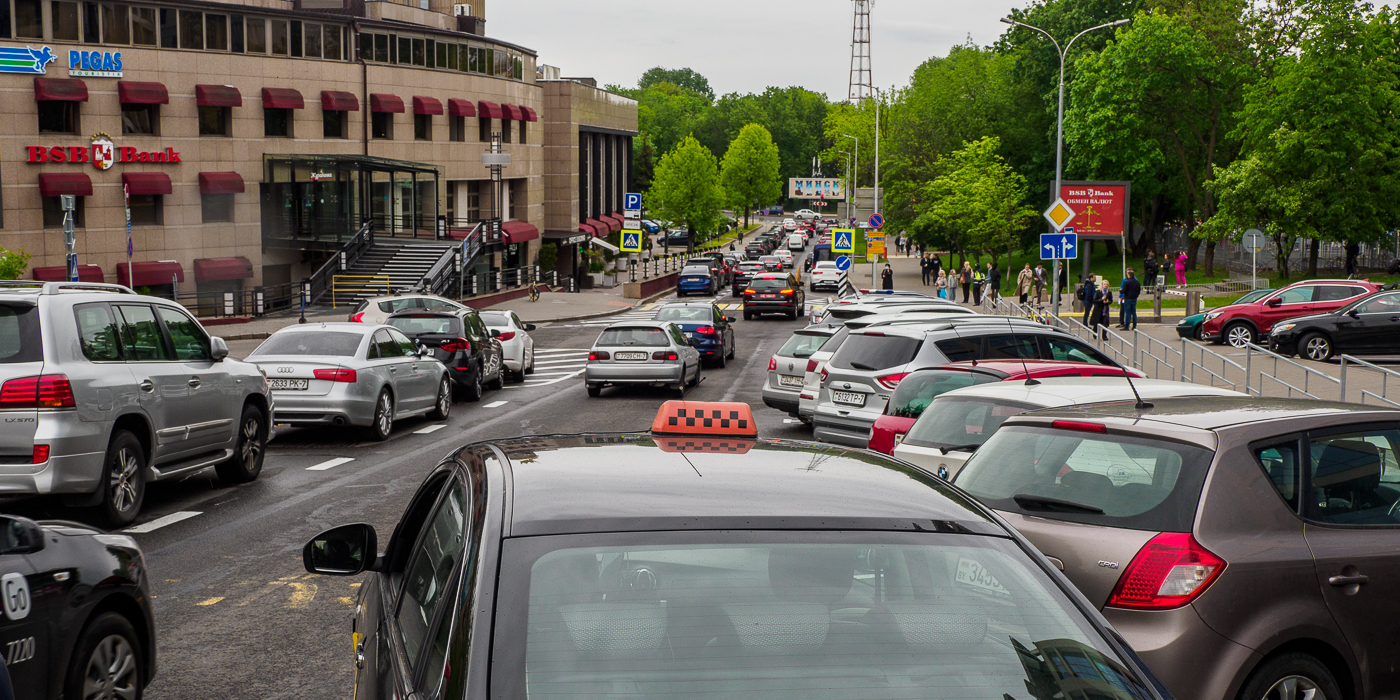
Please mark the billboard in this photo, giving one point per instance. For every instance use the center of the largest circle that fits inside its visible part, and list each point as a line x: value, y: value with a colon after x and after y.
x: 1102, y: 209
x: 816, y: 188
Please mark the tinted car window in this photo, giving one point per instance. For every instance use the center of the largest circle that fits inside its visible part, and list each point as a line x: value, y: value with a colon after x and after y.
x: 960, y: 349
x: 1296, y: 295
x: 695, y: 271
x: 1010, y: 347
x: 1381, y: 304
x: 389, y: 306
x: 386, y: 346
x: 407, y: 348
x: 97, y: 332
x: 647, y: 337
x: 962, y: 423
x: 321, y: 343
x: 1354, y: 477
x: 141, y: 335
x: 188, y: 338
x: 20, y: 340
x: 803, y: 344
x: 684, y: 314
x: 875, y: 352
x: 1070, y: 350
x: 1280, y: 463
x: 1337, y: 292
x: 426, y: 325
x: 916, y: 391
x: 429, y: 568
x: 768, y: 284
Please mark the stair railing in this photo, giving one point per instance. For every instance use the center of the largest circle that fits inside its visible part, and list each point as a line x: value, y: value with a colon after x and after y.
x: 320, y: 282
x: 441, y: 275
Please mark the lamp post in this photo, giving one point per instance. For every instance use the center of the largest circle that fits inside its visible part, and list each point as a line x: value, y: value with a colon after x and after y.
x: 1060, y: 127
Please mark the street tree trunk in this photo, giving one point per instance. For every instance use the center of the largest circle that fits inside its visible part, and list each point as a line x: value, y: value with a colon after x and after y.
x: 1313, y: 246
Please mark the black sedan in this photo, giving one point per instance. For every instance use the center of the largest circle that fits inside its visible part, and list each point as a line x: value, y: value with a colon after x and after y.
x: 744, y: 272
x: 771, y: 293
x: 1368, y: 326
x: 460, y: 340
x: 75, y: 621
x: 698, y: 559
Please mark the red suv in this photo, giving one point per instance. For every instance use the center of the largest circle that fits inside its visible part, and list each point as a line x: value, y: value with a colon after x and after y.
x: 1240, y: 324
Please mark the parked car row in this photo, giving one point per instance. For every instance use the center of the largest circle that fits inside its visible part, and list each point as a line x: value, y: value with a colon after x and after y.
x: 666, y: 351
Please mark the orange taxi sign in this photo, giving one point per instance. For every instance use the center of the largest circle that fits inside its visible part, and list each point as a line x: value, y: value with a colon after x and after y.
x: 699, y: 444
x: 704, y: 418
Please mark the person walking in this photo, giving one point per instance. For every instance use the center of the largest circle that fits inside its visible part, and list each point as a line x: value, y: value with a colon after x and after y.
x: 941, y: 286
x: 935, y: 265
x: 1103, y: 301
x: 1149, y: 270
x: 1181, y: 269
x: 925, y: 269
x: 993, y: 281
x: 1128, y: 294
x: 1087, y: 294
x: 965, y: 279
x: 1039, y: 281
x: 1024, y: 282
x: 887, y: 277
x: 979, y: 282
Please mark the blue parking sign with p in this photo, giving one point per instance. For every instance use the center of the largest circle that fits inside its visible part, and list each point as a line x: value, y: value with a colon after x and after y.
x: 632, y: 200
x: 631, y: 241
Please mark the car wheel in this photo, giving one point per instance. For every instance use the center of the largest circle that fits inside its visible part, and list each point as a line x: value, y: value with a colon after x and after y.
x: 247, y: 460
x: 1199, y: 334
x: 595, y: 390
x: 678, y: 390
x: 733, y: 348
x: 1316, y: 347
x: 444, y: 400
x: 1239, y: 335
x: 474, y: 390
x: 383, y: 417
x: 1294, y: 676
x: 531, y: 368
x: 108, y: 661
x: 721, y: 359
x: 695, y: 381
x: 499, y: 382
x: 123, y: 480
x: 748, y: 315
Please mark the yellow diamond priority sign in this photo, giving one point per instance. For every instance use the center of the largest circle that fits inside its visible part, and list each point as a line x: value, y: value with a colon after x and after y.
x: 1059, y: 214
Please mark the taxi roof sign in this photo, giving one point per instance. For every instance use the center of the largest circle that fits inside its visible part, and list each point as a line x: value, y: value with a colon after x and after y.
x: 693, y: 445
x: 704, y: 418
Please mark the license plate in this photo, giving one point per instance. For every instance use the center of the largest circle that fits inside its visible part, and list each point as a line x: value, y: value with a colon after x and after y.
x: 631, y: 356
x: 784, y: 380
x: 768, y: 296
x: 688, y: 334
x: 850, y: 398
x: 288, y: 384
x: 971, y: 573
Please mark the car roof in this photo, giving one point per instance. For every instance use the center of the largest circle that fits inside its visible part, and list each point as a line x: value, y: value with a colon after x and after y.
x: 315, y: 327
x: 1226, y: 412
x: 1033, y: 367
x: 686, y: 304
x: 632, y: 482
x: 1054, y: 392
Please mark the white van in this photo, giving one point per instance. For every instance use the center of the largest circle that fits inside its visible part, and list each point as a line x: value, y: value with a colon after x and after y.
x: 797, y: 242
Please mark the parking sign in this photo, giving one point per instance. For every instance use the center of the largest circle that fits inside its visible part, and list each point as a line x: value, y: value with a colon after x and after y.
x: 632, y: 200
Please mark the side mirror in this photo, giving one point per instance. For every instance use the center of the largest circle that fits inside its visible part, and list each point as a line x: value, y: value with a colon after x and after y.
x: 343, y: 551
x: 730, y: 319
x: 1354, y: 313
x: 1276, y: 301
x: 425, y: 351
x: 20, y: 535
x: 495, y: 333
x: 218, y: 349
x: 529, y: 326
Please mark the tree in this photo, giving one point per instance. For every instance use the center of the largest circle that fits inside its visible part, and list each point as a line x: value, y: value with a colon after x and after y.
x: 682, y: 77
x: 978, y: 201
x: 750, y: 169
x: 643, y: 161
x: 13, y: 263
x: 686, y: 188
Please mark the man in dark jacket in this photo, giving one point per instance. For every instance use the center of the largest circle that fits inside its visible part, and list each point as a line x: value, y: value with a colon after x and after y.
x: 1128, y: 295
x: 1087, y: 294
x: 993, y: 281
x: 924, y: 268
x: 1149, y: 268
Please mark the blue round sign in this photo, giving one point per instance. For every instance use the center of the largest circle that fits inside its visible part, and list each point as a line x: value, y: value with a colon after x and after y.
x: 843, y: 263
x: 876, y: 221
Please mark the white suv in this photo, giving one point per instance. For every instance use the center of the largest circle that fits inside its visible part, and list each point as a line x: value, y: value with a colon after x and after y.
x: 826, y: 274
x: 377, y: 310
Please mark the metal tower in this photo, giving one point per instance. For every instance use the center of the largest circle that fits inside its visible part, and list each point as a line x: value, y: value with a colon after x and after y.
x: 862, y: 86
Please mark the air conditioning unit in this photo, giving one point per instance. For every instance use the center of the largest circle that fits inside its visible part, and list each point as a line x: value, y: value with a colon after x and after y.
x: 461, y: 10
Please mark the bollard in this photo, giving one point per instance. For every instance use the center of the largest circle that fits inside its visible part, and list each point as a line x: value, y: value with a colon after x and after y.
x: 258, y: 302
x: 228, y: 303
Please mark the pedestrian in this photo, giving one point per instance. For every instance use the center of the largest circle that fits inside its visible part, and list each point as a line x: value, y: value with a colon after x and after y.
x: 979, y: 282
x: 1128, y: 295
x: 935, y: 265
x: 1149, y: 270
x: 1025, y: 282
x: 950, y: 284
x: 942, y: 285
x: 1087, y: 294
x: 1103, y: 301
x: 1039, y: 280
x: 965, y: 279
x: 993, y: 281
x: 1353, y: 252
x: 887, y: 277
x: 1181, y: 269
x: 925, y: 268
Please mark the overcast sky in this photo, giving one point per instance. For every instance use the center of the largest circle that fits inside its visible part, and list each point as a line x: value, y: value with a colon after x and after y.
x: 742, y: 45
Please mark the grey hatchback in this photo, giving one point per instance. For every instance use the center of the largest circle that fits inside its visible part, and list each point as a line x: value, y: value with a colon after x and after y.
x: 1245, y: 547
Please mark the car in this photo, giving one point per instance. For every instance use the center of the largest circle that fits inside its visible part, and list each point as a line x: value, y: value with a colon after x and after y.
x: 788, y: 367
x: 858, y: 380
x: 697, y: 279
x: 1190, y: 327
x: 712, y: 560
x: 1242, y: 545
x: 797, y: 242
x: 677, y: 239
x: 826, y: 275
x: 804, y: 214
x: 379, y: 309
x: 892, y: 307
x: 462, y: 342
x: 352, y: 374
x: 789, y: 225
x: 942, y: 444
x: 651, y: 227
x: 103, y: 390
x: 774, y: 293
x: 915, y: 392
x: 715, y: 260
x: 743, y: 272
x: 771, y: 263
x: 754, y: 251
x: 76, y: 613
x: 1370, y: 325
x: 786, y: 256
x: 517, y: 347
x: 706, y: 327
x: 1240, y: 324
x: 647, y: 353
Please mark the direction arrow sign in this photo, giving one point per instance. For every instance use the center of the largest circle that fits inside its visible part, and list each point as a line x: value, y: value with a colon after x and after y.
x: 1059, y: 246
x: 843, y: 263
x: 1059, y: 214
x: 631, y: 241
x: 876, y: 221
x: 843, y: 240
x: 632, y: 200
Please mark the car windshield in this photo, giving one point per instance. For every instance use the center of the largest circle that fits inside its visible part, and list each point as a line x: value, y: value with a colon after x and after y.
x: 1254, y: 296
x: 783, y: 616
x: 647, y: 337
x: 768, y: 284
x: 426, y: 325
x: 1378, y: 304
x: 803, y: 344
x: 916, y: 391
x: 333, y: 344
x: 1138, y: 483
x: 20, y: 340
x: 869, y: 353
x: 750, y: 266
x: 696, y: 271
x: 495, y: 319
x: 685, y: 313
x: 962, y: 422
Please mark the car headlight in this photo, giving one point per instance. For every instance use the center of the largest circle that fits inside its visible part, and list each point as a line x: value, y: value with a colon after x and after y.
x: 1214, y: 315
x: 1283, y: 328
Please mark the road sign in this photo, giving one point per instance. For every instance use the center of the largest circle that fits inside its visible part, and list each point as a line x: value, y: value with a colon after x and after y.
x: 631, y: 224
x: 631, y: 241
x: 1059, y: 214
x: 1059, y: 246
x: 876, y: 221
x: 843, y: 240
x: 632, y: 200
x: 843, y: 263
x: 1254, y: 239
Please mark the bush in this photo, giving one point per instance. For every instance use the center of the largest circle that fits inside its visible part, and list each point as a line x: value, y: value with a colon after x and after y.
x: 549, y: 256
x: 13, y: 263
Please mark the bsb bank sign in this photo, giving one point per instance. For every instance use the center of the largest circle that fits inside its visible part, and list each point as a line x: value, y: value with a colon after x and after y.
x: 103, y: 154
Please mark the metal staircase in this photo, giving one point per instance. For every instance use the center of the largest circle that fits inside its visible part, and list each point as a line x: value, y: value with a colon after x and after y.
x: 386, y: 268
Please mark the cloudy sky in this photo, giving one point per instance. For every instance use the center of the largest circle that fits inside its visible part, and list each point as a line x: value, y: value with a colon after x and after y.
x: 741, y: 45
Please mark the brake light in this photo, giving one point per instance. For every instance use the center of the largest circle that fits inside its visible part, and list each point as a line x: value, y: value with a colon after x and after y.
x: 785, y: 291
x: 749, y: 291
x: 1169, y: 572
x: 358, y: 318
x: 664, y: 355
x: 824, y: 375
x: 811, y: 365
x: 772, y: 364
x: 508, y: 335
x: 598, y: 355
x: 891, y: 381
x: 43, y: 391
x: 41, y: 454
x: 707, y: 330
x: 457, y: 345
x: 1080, y: 426
x: 349, y: 376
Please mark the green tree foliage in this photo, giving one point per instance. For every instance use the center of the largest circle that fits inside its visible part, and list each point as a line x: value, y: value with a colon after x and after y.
x: 680, y: 77
x: 977, y: 203
x: 749, y: 172
x: 686, y: 189
x: 13, y: 263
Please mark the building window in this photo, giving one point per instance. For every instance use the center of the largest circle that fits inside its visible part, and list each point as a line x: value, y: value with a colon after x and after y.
x: 332, y: 43
x: 483, y: 125
x: 382, y: 44
x: 65, y: 21
x: 53, y: 212
x: 277, y: 122
x: 256, y: 35
x: 216, y: 32
x: 505, y: 131
x: 405, y: 51
x: 92, y: 24
x: 140, y: 119
x: 518, y: 203
x: 214, y: 121
x: 29, y: 19
x: 58, y: 117
x: 143, y: 26
x: 216, y: 208
x: 473, y: 211
x: 382, y: 126
x: 191, y: 30
x: 294, y: 42
x: 169, y: 32
x: 311, y: 34
x: 457, y: 128
x: 333, y: 124
x: 116, y: 24
x: 146, y: 210
x: 522, y: 131
x: 418, y: 56
x: 423, y: 127
x: 280, y: 39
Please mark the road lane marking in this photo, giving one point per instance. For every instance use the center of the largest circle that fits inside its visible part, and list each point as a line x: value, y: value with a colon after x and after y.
x: 496, y: 404
x: 159, y: 523
x: 210, y: 601
x: 430, y: 429
x: 544, y: 351
x: 330, y: 464
x: 791, y: 420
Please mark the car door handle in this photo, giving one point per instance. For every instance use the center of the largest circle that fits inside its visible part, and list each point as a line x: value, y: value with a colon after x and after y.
x: 194, y: 382
x: 1357, y: 580
x: 146, y: 385
x: 393, y: 369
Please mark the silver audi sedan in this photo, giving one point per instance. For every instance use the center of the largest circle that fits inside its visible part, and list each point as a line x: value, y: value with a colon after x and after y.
x: 646, y: 353
x: 351, y: 374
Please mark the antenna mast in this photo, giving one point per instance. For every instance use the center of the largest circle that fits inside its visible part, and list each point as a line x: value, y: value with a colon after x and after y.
x: 862, y: 85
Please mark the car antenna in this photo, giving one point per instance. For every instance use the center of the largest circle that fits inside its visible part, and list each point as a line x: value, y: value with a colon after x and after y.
x: 1128, y: 375
x: 1029, y: 380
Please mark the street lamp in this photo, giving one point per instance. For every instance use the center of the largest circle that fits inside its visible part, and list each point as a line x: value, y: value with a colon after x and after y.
x: 1060, y: 127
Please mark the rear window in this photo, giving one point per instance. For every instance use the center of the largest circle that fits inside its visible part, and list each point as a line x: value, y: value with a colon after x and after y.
x: 495, y: 319
x: 750, y: 266
x: 389, y: 306
x: 768, y: 284
x: 19, y: 334
x: 962, y: 424
x: 685, y: 314
x: 696, y: 271
x: 869, y: 353
x: 318, y: 343
x: 802, y: 345
x: 628, y: 337
x: 1136, y: 483
x: 916, y: 391
x: 427, y: 325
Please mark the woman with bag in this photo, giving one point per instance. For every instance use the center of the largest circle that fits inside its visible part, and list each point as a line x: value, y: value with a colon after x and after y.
x: 1024, y: 282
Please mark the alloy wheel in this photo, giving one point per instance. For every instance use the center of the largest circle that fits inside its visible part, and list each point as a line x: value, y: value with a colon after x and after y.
x: 1318, y: 348
x: 251, y: 448
x: 444, y: 404
x: 111, y: 671
x: 123, y: 480
x: 1294, y: 688
x: 1240, y: 336
x: 385, y: 420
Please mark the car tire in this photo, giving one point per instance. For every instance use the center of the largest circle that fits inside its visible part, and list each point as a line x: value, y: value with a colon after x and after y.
x: 108, y: 654
x: 696, y: 381
x: 383, y: 424
x: 594, y: 390
x: 443, y: 406
x: 531, y: 368
x: 123, y: 480
x: 721, y: 359
x: 474, y: 390
x: 1295, y: 672
x: 248, y: 453
x: 748, y: 315
x: 678, y: 390
x: 1236, y: 335
x: 733, y: 349
x: 1316, y: 347
x: 499, y: 382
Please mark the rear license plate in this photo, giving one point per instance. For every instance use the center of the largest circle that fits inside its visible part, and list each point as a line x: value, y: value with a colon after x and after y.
x: 768, y: 296
x: 288, y: 384
x: 849, y: 398
x: 632, y: 356
x: 688, y: 334
x: 971, y: 573
x: 784, y: 380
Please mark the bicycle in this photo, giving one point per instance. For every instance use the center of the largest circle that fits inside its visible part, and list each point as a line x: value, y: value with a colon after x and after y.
x: 534, y: 291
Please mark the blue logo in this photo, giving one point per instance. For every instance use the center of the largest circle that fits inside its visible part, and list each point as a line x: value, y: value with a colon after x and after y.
x: 97, y: 64
x: 843, y: 263
x: 14, y: 59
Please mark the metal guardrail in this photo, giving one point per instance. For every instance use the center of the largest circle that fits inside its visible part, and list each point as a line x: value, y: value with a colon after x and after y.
x: 1251, y: 350
x: 1386, y: 376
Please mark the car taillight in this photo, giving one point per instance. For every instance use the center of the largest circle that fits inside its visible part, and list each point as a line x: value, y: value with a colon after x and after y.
x: 508, y: 335
x: 749, y: 291
x: 1169, y: 572
x: 358, y: 318
x: 811, y: 365
x: 772, y: 364
x: 457, y: 345
x: 664, y: 355
x: 598, y: 355
x: 349, y: 376
x: 41, y: 454
x: 891, y: 381
x: 824, y: 375
x: 785, y: 291
x: 707, y: 330
x: 44, y: 391
x: 1079, y: 425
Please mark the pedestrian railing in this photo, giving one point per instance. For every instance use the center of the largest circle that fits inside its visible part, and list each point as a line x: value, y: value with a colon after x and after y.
x: 352, y: 287
x: 1197, y: 359
x: 1273, y: 377
x: 1385, y: 375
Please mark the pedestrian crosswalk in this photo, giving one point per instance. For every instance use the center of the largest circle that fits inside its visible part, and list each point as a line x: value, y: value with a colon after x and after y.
x: 554, y: 366
x: 646, y: 311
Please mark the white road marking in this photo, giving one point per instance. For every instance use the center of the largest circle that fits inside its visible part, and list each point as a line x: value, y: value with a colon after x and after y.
x: 546, y: 382
x: 430, y: 429
x: 496, y: 404
x: 567, y: 361
x: 539, y: 351
x: 791, y: 420
x: 161, y: 522
x: 330, y: 464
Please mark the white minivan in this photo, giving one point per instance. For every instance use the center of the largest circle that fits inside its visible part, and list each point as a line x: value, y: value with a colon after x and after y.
x: 797, y: 242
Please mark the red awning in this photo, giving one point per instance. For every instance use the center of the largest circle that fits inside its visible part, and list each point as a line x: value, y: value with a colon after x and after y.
x: 599, y: 228
x: 146, y: 183
x: 220, y: 183
x: 150, y: 273
x: 490, y: 110
x: 379, y: 102
x: 55, y: 184
x: 282, y: 98
x: 530, y: 114
x: 60, y: 90
x: 519, y: 232
x: 130, y: 92
x: 513, y: 113
x: 217, y: 96
x: 86, y: 273
x: 461, y: 108
x: 588, y: 229
x: 426, y: 105
x: 334, y: 101
x: 211, y: 269
x: 614, y: 225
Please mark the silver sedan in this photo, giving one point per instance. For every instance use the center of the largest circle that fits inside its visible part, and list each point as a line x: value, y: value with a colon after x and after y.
x: 351, y: 374
x: 647, y: 353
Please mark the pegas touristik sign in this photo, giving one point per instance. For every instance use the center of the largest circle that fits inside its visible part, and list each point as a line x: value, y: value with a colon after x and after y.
x: 102, y: 153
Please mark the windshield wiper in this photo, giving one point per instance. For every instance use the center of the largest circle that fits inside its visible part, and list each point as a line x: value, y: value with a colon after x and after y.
x: 960, y: 448
x: 1026, y: 500
x: 862, y: 366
